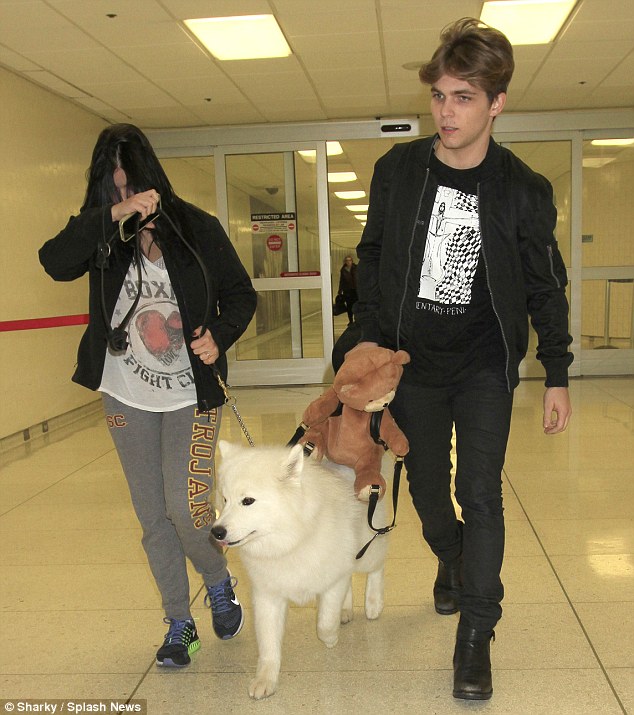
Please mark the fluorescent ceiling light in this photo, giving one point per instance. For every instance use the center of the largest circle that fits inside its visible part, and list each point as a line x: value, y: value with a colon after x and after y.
x: 332, y: 149
x: 362, y: 217
x: 358, y: 207
x: 596, y: 162
x: 245, y: 37
x: 612, y: 142
x: 350, y: 195
x: 341, y: 177
x: 527, y: 22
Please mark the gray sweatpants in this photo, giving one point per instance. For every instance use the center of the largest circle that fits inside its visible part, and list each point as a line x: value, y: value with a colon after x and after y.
x: 168, y: 461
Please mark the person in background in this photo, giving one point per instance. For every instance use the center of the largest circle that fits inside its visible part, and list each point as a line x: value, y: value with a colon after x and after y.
x: 457, y: 253
x: 149, y: 353
x: 348, y: 285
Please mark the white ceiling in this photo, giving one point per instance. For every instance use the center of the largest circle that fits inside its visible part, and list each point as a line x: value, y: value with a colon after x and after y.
x: 348, y: 55
x: 141, y: 66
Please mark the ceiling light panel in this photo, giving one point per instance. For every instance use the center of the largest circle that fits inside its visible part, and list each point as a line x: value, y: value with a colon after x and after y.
x: 333, y: 148
x: 350, y: 195
x: 244, y: 37
x: 336, y: 177
x: 527, y: 22
x: 612, y: 142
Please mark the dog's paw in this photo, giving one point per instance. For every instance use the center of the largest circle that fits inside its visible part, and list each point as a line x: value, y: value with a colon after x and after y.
x: 262, y: 687
x: 328, y: 638
x: 373, y: 607
x: 347, y: 614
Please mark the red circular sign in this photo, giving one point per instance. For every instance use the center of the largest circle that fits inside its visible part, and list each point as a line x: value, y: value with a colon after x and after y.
x: 274, y: 242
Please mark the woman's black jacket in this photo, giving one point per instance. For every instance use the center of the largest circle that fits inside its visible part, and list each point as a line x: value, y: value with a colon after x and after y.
x: 73, y: 252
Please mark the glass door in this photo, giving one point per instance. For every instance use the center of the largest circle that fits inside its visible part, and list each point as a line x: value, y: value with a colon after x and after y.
x: 607, y: 288
x: 274, y: 206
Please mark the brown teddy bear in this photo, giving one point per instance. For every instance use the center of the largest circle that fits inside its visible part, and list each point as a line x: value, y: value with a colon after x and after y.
x: 339, y: 421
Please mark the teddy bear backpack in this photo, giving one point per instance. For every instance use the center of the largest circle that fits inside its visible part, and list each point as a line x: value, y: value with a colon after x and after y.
x: 351, y: 424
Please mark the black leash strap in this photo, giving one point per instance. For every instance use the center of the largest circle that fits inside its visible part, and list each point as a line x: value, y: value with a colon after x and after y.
x: 299, y: 433
x: 375, y: 490
x: 374, y: 498
x: 118, y: 337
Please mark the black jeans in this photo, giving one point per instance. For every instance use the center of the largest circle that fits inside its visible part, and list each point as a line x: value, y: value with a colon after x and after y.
x: 480, y: 410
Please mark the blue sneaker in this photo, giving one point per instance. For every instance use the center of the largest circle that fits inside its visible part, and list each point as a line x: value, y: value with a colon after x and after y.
x: 181, y: 640
x: 226, y: 612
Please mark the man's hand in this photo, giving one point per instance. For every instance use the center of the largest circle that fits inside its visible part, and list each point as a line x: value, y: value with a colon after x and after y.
x: 557, y: 409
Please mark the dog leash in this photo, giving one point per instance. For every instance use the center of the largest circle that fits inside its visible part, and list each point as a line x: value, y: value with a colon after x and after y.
x: 375, y: 490
x: 231, y: 401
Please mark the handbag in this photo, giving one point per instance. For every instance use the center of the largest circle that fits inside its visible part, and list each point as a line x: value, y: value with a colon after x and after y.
x: 339, y: 306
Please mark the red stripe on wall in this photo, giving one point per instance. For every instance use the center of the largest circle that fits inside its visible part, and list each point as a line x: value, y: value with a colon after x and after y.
x: 37, y: 323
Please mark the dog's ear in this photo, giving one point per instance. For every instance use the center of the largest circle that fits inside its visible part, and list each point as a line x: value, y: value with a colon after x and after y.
x: 294, y: 463
x: 225, y: 448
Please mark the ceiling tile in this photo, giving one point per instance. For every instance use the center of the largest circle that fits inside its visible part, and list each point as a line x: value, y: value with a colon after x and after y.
x: 603, y: 28
x: 171, y: 62
x: 124, y: 95
x: 239, y: 113
x: 622, y: 75
x: 198, y: 90
x: 312, y: 19
x: 30, y: 26
x: 55, y: 83
x: 569, y: 73
x: 15, y: 61
x: 171, y: 116
x: 94, y: 65
x: 188, y: 9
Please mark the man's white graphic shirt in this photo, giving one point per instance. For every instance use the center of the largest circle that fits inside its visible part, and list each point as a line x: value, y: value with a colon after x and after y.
x: 452, y: 249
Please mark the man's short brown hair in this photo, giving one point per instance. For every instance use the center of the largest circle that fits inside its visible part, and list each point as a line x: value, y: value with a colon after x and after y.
x: 475, y: 52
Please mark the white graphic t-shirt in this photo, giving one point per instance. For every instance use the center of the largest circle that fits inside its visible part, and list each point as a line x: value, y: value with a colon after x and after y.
x: 452, y: 248
x: 154, y: 373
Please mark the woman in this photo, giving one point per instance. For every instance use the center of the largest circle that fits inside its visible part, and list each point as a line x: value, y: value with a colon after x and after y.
x: 348, y: 285
x: 163, y: 310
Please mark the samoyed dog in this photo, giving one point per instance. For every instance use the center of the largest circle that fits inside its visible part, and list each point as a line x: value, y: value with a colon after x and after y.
x: 299, y: 528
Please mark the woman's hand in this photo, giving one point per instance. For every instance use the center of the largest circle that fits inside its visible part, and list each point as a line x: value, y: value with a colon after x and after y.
x: 144, y: 204
x: 205, y: 347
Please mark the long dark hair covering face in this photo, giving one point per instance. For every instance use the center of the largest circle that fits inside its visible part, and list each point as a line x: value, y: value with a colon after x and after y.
x: 126, y: 146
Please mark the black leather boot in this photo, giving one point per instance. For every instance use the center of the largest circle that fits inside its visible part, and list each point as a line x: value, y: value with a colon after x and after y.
x: 447, y: 587
x: 472, y: 664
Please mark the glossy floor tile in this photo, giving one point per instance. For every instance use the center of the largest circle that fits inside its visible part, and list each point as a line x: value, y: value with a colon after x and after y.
x: 82, y: 615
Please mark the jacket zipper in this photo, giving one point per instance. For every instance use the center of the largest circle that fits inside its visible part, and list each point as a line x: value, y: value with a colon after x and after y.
x: 409, y: 262
x: 486, y: 272
x: 549, y: 250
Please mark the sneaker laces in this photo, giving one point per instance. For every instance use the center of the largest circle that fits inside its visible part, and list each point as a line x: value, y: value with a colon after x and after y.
x: 176, y: 631
x: 219, y: 597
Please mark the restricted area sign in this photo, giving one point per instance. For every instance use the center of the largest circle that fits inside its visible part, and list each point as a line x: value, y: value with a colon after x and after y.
x: 274, y: 242
x: 278, y: 222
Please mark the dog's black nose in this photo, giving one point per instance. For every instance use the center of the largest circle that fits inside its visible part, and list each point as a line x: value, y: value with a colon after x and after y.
x: 219, y: 532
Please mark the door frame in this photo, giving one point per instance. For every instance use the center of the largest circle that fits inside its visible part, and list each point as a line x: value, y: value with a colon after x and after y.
x: 297, y: 370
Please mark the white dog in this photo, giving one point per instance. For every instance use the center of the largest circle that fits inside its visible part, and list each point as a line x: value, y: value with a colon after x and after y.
x: 299, y: 528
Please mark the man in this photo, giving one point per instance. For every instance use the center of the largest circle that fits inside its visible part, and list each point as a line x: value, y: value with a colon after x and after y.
x: 457, y: 252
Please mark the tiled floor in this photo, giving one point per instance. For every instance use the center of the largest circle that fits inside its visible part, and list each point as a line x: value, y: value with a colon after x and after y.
x: 82, y: 619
